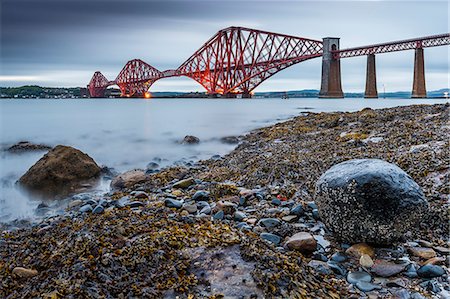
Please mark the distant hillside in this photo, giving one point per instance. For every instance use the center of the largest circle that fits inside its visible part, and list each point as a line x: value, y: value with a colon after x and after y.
x: 34, y: 91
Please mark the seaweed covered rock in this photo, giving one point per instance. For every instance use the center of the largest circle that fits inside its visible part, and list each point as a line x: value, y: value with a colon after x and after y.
x: 369, y: 200
x: 59, y: 172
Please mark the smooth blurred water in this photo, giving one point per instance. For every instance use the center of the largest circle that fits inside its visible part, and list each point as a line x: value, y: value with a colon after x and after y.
x: 127, y: 134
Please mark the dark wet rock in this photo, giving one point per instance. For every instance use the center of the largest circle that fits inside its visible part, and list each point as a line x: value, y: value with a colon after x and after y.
x: 122, y: 202
x: 431, y: 285
x: 239, y: 216
x: 128, y: 179
x: 430, y: 271
x: 276, y: 202
x: 320, y: 266
x: 303, y: 242
x: 98, y: 210
x: 59, y: 172
x: 230, y: 140
x: 184, y: 184
x: 355, y: 277
x: 271, y: 238
x: 337, y: 268
x: 219, y: 215
x: 385, y: 268
x: 26, y: 146
x: 152, y: 166
x: 411, y: 271
x: 189, y: 139
x: 269, y: 222
x: 369, y: 200
x: 339, y: 257
x: 206, y: 210
x: 367, y: 286
x: 173, y: 203
x: 315, y: 214
x: 85, y: 208
x: 135, y: 204
x: 201, y: 195
x: 297, y: 210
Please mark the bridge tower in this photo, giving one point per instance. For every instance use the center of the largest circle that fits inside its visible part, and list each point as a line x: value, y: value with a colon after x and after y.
x: 331, y: 70
x: 419, y: 89
x: 371, y: 78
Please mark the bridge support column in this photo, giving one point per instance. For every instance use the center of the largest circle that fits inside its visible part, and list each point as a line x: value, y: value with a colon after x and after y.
x: 371, y: 78
x: 331, y: 70
x: 419, y: 90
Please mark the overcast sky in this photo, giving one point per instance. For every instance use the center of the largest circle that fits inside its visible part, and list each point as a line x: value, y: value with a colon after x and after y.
x: 62, y: 42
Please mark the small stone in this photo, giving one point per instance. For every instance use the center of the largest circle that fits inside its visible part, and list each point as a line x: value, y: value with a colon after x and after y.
x: 183, y: 184
x: 98, y: 210
x: 302, y: 241
x: 442, y: 250
x: 189, y: 139
x: 173, y: 203
x: 435, y: 261
x: 252, y: 221
x: 357, y: 250
x: 201, y: 195
x: 337, y: 268
x: 320, y: 267
x: 430, y: 271
x: 135, y: 204
x: 411, y: 271
x: 75, y: 203
x: 271, y: 238
x: 425, y: 243
x: 385, y: 268
x: 191, y: 208
x: 297, y: 210
x: 315, y: 214
x: 290, y: 218
x: 422, y: 252
x: 355, y: 277
x: 86, y: 208
x: 339, y: 257
x: 24, y: 272
x: 206, y: 210
x: 184, y: 213
x: 239, y: 216
x: 365, y: 261
x: 141, y: 194
x: 219, y: 215
x: 269, y: 222
x: 276, y: 202
x: 367, y: 286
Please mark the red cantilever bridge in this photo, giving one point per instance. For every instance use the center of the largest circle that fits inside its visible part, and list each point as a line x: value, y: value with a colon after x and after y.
x: 236, y: 60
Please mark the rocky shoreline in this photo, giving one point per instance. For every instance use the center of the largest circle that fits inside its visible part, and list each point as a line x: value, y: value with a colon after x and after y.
x: 246, y: 225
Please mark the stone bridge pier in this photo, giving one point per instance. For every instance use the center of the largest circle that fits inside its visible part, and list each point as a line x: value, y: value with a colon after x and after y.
x: 331, y: 70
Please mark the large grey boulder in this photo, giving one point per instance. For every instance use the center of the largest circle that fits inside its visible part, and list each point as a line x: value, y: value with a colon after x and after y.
x: 369, y: 200
x: 61, y: 171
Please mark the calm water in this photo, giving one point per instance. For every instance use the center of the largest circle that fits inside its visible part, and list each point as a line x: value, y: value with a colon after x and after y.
x: 126, y: 134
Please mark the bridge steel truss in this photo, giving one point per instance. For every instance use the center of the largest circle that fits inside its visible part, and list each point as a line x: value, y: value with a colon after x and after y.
x: 236, y: 60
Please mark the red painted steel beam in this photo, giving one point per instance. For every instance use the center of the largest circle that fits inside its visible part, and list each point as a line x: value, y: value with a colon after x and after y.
x: 136, y: 77
x: 98, y: 84
x: 238, y: 59
x: 410, y: 44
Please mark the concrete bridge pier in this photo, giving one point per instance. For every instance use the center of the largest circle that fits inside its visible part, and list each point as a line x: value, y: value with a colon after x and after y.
x: 246, y: 95
x: 331, y: 70
x: 371, y: 78
x: 419, y: 90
